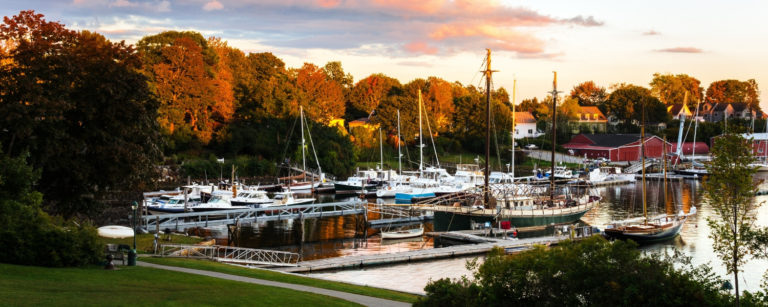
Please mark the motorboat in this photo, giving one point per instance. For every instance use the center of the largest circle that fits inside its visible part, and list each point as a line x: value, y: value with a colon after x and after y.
x: 251, y: 198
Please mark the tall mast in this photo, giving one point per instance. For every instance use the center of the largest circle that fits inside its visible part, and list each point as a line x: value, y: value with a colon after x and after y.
x: 488, y: 72
x: 421, y: 144
x: 554, y: 138
x: 695, y: 128
x: 381, y: 150
x: 399, y: 155
x: 766, y: 142
x: 514, y: 123
x: 303, y: 160
x: 642, y: 155
x: 664, y: 157
x: 679, y: 149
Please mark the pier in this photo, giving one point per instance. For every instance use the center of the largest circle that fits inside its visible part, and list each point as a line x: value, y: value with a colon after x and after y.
x: 485, y: 245
x: 182, y: 221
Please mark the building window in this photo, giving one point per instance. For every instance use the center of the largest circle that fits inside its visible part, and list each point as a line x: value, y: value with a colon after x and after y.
x: 530, y: 131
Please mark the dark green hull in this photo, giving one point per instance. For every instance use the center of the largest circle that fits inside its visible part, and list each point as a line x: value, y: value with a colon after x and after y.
x: 461, y: 221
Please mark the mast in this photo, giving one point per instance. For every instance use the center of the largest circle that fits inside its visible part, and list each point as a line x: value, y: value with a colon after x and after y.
x: 399, y: 155
x: 381, y: 151
x: 421, y: 144
x: 488, y: 72
x: 554, y: 138
x: 679, y: 149
x: 514, y: 123
x: 664, y: 157
x: 695, y: 127
x: 766, y: 142
x: 303, y: 160
x: 642, y: 156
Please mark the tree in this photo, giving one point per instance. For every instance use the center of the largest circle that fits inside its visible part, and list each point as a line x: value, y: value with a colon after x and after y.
x: 730, y: 191
x: 321, y: 96
x: 589, y: 94
x: 529, y: 105
x: 593, y: 272
x: 626, y: 102
x: 368, y: 93
x: 78, y: 104
x: 734, y: 91
x: 672, y: 89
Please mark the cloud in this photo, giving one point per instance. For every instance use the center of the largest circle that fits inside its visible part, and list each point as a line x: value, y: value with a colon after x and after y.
x: 415, y: 63
x: 681, y: 50
x: 651, y: 32
x: 213, y: 6
x: 400, y: 27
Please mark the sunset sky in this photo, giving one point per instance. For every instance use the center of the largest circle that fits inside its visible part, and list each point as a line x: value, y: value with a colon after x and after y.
x: 604, y: 41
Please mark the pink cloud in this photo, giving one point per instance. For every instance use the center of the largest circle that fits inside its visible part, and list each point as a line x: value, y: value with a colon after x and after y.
x: 213, y: 6
x: 420, y: 47
x: 681, y: 50
x: 328, y: 3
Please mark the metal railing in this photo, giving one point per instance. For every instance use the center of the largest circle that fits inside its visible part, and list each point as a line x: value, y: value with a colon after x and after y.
x: 240, y: 255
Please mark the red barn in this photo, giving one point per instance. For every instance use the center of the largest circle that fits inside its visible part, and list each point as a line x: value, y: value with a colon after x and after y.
x: 616, y: 147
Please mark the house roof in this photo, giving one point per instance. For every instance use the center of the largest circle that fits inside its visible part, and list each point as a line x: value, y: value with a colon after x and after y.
x: 360, y: 121
x: 613, y: 140
x: 524, y: 118
x: 738, y: 107
x: 585, y: 110
x: 720, y: 107
x: 677, y: 109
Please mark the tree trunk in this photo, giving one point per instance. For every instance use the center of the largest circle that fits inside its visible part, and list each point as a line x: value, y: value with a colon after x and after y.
x: 736, y: 272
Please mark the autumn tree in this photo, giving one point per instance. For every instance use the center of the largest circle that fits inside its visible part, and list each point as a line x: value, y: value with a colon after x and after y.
x: 469, y: 119
x: 321, y: 97
x: 589, y: 94
x: 734, y: 91
x: 78, y: 105
x: 672, y: 89
x: 438, y: 101
x: 193, y: 88
x: 369, y: 92
x: 529, y: 105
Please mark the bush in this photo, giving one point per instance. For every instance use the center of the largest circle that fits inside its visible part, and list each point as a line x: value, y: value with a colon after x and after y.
x: 29, y: 235
x: 593, y: 272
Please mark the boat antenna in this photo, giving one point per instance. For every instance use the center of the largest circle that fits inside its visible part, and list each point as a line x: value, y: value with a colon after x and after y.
x: 554, y: 138
x: 488, y: 72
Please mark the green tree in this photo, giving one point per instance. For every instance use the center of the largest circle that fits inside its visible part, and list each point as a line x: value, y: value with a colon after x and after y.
x: 79, y: 105
x: 672, y: 89
x: 626, y: 102
x: 593, y: 272
x: 730, y: 191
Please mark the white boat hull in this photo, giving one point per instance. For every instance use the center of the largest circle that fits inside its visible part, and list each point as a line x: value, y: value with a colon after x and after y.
x: 402, y: 234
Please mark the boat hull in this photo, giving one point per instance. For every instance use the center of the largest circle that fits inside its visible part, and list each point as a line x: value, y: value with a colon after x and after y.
x: 407, y: 198
x: 402, y: 234
x: 664, y: 235
x: 341, y: 188
x: 450, y: 221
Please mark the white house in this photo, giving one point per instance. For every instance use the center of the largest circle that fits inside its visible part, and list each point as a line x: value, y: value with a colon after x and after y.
x: 525, y: 126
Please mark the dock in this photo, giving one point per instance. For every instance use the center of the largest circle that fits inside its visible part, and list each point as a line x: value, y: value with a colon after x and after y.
x: 483, y: 246
x: 182, y: 221
x: 611, y: 182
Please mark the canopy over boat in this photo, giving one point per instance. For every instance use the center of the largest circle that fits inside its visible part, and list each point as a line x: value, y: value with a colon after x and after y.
x: 115, y: 232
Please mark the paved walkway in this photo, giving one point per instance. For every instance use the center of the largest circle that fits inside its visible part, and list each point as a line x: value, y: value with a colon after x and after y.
x: 356, y: 298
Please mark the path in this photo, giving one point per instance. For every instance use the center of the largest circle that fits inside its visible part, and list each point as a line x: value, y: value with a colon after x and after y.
x: 355, y: 298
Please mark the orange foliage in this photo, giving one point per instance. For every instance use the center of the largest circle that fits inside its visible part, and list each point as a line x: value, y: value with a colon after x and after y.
x: 321, y: 97
x: 438, y: 101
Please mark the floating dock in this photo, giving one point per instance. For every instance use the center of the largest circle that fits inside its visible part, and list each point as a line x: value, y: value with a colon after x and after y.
x: 357, y: 262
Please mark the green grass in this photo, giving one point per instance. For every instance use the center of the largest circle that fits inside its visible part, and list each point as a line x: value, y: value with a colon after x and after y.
x: 140, y: 286
x: 144, y: 242
x: 287, y: 278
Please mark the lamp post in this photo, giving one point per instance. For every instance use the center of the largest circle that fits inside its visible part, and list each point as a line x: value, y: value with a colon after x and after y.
x: 132, y: 253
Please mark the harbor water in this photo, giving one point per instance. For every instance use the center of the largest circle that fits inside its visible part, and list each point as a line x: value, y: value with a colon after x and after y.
x: 344, y: 236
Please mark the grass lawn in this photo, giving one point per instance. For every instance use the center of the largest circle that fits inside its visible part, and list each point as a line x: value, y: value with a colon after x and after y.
x: 139, y: 286
x: 287, y: 278
x: 144, y: 242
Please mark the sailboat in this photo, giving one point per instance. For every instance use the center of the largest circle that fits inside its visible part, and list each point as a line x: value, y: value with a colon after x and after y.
x: 761, y: 166
x: 644, y: 230
x: 696, y: 170
x: 305, y: 186
x: 514, y: 204
x: 403, y: 233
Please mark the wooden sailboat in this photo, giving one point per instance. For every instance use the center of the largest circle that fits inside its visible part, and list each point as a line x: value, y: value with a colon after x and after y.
x: 513, y: 204
x: 646, y: 230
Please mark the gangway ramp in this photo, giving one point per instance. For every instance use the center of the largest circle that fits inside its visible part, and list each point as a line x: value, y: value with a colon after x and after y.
x: 230, y: 254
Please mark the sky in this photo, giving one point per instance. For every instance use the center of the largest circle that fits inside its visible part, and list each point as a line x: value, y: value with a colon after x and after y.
x: 605, y: 41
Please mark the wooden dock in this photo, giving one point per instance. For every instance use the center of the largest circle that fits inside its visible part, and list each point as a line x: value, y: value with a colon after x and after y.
x: 356, y: 262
